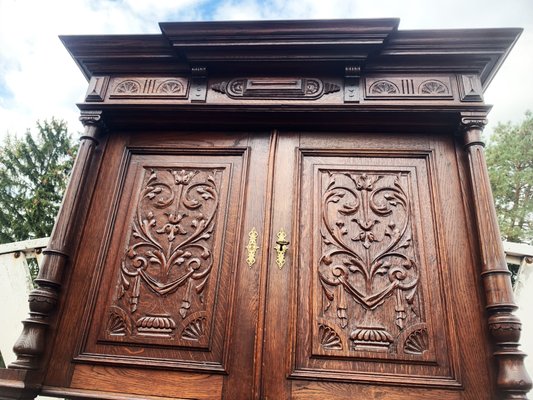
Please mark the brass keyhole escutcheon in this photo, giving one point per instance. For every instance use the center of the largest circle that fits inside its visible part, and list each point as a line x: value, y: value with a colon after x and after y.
x: 281, y: 247
x: 252, y: 247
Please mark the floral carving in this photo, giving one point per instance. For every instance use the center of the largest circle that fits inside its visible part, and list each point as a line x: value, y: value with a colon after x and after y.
x: 128, y: 87
x: 384, y: 88
x: 367, y: 254
x: 169, y: 253
x: 433, y: 87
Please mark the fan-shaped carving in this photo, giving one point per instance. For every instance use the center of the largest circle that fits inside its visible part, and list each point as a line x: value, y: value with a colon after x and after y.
x: 195, y: 330
x: 383, y: 88
x: 127, y: 87
x: 171, y: 86
x: 329, y: 339
x: 433, y: 87
x: 417, y: 342
x: 116, y: 324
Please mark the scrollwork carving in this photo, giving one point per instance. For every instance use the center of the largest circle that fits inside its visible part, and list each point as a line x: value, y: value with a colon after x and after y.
x: 169, y: 250
x: 367, y: 256
x: 276, y: 88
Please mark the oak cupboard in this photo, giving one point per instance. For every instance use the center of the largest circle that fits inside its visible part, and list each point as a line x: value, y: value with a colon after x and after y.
x: 275, y: 210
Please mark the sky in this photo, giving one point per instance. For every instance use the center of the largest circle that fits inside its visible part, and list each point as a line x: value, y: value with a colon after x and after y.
x: 38, y: 78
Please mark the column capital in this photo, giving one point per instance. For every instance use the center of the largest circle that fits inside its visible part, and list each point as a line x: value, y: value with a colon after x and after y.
x: 473, y: 120
x: 93, y: 123
x: 92, y: 117
x: 472, y: 125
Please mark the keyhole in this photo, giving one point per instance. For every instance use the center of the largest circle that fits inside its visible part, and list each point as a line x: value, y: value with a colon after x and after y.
x: 282, y: 244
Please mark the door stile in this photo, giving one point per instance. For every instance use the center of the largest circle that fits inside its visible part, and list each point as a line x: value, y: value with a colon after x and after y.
x: 277, y: 313
x: 239, y: 382
x: 263, y: 266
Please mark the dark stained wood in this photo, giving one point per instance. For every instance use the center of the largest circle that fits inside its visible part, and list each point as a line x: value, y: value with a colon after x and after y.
x: 141, y: 382
x: 504, y: 326
x: 43, y: 300
x: 276, y: 210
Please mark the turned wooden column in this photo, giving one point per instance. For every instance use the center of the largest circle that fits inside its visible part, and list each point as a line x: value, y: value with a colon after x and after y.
x: 43, y: 300
x: 512, y: 380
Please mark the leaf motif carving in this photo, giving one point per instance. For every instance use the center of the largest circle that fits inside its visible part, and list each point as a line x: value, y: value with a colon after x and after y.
x: 169, y: 251
x: 367, y: 254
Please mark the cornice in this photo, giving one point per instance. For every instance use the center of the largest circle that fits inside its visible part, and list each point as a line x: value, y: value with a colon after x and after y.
x: 295, y: 47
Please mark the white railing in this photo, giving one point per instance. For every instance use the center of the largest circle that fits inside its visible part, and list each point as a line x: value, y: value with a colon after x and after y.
x: 15, y: 284
x: 522, y: 255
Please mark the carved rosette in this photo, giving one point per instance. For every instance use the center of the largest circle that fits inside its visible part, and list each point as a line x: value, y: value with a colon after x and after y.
x: 368, y: 271
x: 166, y: 265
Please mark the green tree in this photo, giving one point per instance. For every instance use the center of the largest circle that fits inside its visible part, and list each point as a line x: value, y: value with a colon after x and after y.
x: 34, y: 172
x: 510, y: 164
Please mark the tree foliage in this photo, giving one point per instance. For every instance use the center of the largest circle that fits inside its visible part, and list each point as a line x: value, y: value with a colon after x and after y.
x: 510, y: 164
x: 33, y: 175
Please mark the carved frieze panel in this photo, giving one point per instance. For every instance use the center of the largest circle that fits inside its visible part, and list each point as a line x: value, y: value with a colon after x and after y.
x: 275, y: 88
x: 148, y: 88
x: 423, y: 87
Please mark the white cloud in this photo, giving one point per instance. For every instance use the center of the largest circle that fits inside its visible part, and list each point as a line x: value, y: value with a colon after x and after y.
x: 38, y: 79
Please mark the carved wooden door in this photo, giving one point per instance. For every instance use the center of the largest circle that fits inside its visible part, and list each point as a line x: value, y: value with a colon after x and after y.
x: 377, y: 296
x: 169, y: 280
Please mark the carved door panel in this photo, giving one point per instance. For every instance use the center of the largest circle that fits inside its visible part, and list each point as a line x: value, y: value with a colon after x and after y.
x: 174, y: 271
x: 372, y: 300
